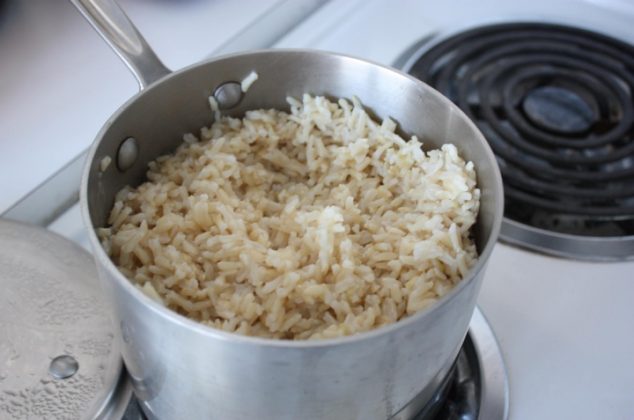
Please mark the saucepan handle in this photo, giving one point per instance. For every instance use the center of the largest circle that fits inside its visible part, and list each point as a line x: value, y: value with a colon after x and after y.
x: 111, y: 22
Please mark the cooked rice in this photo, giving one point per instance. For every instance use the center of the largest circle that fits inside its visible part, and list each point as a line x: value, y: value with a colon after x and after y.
x: 248, y: 81
x: 104, y: 163
x: 311, y: 224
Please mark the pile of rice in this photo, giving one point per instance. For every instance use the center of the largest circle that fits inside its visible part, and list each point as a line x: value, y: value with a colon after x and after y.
x: 311, y: 224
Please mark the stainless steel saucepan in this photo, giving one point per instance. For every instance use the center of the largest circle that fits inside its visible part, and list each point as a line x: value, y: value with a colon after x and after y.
x: 184, y: 370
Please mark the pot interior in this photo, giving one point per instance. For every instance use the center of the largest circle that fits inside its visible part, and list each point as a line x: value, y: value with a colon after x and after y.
x: 159, y: 116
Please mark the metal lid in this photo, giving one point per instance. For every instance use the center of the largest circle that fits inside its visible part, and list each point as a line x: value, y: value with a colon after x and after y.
x: 58, y: 354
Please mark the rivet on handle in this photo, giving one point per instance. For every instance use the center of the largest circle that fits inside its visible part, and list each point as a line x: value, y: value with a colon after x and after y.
x: 228, y: 95
x: 127, y: 153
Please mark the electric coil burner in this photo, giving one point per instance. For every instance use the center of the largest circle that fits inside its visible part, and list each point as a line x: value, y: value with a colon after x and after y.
x: 556, y: 104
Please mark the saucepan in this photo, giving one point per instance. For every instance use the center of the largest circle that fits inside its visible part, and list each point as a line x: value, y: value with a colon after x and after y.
x: 185, y: 370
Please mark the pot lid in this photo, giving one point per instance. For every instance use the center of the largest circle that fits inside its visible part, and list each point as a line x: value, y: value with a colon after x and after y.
x: 59, y: 358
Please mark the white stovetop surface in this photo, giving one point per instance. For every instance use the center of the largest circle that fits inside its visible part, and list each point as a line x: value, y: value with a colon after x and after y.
x: 564, y: 326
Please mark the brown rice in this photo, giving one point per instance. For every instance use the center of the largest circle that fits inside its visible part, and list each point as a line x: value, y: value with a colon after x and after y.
x: 310, y: 224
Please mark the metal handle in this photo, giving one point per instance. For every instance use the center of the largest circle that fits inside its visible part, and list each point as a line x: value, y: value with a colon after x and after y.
x: 114, y: 26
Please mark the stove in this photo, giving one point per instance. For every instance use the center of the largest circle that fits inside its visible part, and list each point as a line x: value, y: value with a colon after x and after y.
x: 556, y: 105
x: 543, y: 309
x: 477, y: 386
x: 549, y: 82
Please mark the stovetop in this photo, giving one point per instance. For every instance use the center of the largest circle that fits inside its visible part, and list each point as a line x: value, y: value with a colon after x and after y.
x: 555, y: 103
x: 561, y: 323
